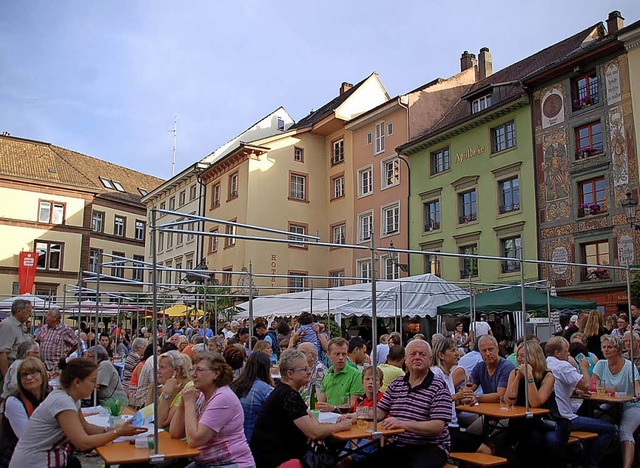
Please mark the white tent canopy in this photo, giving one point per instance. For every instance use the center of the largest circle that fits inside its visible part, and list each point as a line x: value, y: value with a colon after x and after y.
x: 419, y: 295
x: 37, y: 302
x: 415, y: 296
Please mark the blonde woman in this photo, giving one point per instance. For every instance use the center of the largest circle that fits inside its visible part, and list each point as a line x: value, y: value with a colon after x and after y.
x: 174, y: 372
x: 593, y: 330
x: 537, y: 441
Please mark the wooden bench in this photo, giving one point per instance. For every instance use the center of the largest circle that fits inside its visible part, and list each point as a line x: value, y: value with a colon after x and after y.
x: 582, y: 435
x: 478, y: 459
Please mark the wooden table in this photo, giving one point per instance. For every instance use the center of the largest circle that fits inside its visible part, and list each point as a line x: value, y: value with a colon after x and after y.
x: 124, y: 453
x: 599, y: 402
x: 607, y: 398
x: 492, y: 411
x: 359, y: 433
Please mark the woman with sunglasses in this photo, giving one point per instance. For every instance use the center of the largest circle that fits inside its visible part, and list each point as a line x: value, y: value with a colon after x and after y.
x: 210, y: 415
x: 285, y: 424
x: 58, y: 421
x: 32, y: 389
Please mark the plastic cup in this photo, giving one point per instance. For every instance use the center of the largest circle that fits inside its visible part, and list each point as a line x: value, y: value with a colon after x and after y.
x: 151, y: 442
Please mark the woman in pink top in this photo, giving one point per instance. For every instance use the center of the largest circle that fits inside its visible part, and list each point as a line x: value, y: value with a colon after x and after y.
x: 211, y: 417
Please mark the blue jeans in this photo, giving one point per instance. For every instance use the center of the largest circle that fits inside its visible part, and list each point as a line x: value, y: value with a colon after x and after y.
x: 594, y: 449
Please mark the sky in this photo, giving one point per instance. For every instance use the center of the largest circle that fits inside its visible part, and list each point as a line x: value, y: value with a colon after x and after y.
x: 107, y: 77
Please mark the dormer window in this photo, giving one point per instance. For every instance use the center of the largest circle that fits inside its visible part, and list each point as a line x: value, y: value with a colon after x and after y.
x: 118, y: 186
x: 480, y: 104
x: 280, y: 124
x: 142, y: 191
x: 106, y: 183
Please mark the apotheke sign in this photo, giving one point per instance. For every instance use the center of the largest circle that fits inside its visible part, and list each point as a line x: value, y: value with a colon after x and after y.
x: 470, y: 153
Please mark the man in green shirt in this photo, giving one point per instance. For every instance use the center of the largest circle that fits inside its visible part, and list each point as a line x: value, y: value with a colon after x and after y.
x: 392, y: 369
x: 342, y: 383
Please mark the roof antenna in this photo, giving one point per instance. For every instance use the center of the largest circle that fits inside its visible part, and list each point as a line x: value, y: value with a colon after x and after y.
x: 175, y: 140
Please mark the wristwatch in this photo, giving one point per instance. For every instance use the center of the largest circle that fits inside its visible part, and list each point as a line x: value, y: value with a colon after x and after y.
x: 166, y: 396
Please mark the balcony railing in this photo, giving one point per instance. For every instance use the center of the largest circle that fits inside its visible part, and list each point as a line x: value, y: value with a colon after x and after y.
x: 467, y: 218
x: 588, y: 151
x: 586, y: 101
x: 509, y: 208
x: 432, y: 226
x: 590, y: 209
x: 595, y: 274
x: 510, y: 266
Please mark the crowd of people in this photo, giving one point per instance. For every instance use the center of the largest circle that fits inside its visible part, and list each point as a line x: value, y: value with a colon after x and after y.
x: 255, y: 403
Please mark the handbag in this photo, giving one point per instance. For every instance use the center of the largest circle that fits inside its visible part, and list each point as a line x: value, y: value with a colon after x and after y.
x: 318, y: 456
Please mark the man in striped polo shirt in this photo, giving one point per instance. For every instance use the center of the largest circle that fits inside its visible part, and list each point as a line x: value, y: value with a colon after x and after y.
x: 419, y: 403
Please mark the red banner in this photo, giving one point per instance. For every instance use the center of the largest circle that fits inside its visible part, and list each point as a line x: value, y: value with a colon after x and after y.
x: 27, y: 271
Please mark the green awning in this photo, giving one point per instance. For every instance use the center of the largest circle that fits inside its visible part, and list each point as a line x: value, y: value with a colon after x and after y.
x: 509, y: 300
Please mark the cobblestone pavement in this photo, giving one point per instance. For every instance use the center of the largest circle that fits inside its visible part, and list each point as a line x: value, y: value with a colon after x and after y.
x: 91, y: 462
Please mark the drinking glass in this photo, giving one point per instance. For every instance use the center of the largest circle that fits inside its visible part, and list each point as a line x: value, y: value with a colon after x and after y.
x: 513, y: 396
x: 362, y: 413
x: 600, y: 387
x: 504, y: 403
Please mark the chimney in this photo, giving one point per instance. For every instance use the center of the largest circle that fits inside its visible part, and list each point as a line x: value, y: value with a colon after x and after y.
x: 344, y: 87
x: 615, y: 22
x: 485, y: 65
x: 467, y: 61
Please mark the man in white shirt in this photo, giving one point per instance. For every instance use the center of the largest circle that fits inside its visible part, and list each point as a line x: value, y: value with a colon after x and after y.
x: 482, y: 327
x: 569, y: 379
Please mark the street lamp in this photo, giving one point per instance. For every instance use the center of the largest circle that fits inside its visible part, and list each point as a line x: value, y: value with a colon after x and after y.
x: 394, y: 259
x: 630, y: 206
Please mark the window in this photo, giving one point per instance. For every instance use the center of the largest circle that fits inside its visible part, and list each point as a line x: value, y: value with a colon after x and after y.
x: 297, y: 281
x: 468, y: 265
x: 142, y: 191
x: 230, y: 230
x: 509, y: 195
x: 295, y: 239
x: 215, y: 195
x: 390, y: 172
x: 140, y: 229
x: 593, y: 197
x: 298, y: 187
x: 298, y: 154
x: 160, y: 241
x: 339, y: 234
x: 280, y: 124
x: 338, y: 152
x: 170, y: 239
x: 117, y: 269
x: 510, y: 248
x: 180, y: 234
x: 595, y: 253
x: 481, y: 103
x: 369, y: 138
x: 432, y: 264
x: 390, y: 219
x: 119, y: 226
x: 226, y: 276
x: 432, y: 215
x: 585, y: 91
x: 337, y: 278
x: 95, y: 256
x: 169, y: 272
x: 337, y: 189
x: 589, y: 140
x: 364, y: 270
x: 193, y: 192
x: 378, y: 131
x: 213, y: 241
x: 440, y: 161
x: 365, y: 226
x: 503, y: 137
x: 162, y: 207
x: 106, y: 183
x: 365, y: 181
x: 233, y: 185
x: 138, y: 272
x: 182, y: 198
x: 190, y: 228
x: 97, y: 221
x: 47, y: 290
x: 389, y: 268
x: 51, y: 212
x: 118, y: 186
x: 390, y: 128
x: 189, y: 265
x: 467, y: 207
x: 49, y: 255
x: 172, y: 203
